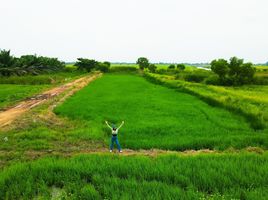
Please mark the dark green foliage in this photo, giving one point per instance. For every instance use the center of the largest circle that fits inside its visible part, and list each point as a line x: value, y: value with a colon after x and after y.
x: 107, y: 63
x: 124, y: 69
x: 227, y: 176
x: 181, y: 67
x: 152, y: 68
x: 86, y: 64
x: 143, y: 63
x: 28, y: 64
x: 220, y: 67
x: 171, y: 66
x: 6, y: 60
x: 195, y: 76
x: 103, y: 67
x: 236, y: 72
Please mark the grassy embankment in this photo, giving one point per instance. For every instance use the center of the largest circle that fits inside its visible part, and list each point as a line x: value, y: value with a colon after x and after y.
x: 227, y: 176
x: 250, y: 101
x: 157, y: 117
x: 16, y: 88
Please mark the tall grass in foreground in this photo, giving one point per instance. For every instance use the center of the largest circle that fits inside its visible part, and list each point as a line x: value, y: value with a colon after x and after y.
x: 237, y: 176
x: 157, y: 117
x: 254, y: 108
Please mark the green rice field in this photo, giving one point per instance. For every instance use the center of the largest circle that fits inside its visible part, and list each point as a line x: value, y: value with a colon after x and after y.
x: 226, y: 176
x: 157, y: 117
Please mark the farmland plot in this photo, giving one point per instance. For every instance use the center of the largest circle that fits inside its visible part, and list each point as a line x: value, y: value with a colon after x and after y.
x: 158, y: 117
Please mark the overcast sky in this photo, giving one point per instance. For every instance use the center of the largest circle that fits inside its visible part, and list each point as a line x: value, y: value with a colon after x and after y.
x: 123, y: 30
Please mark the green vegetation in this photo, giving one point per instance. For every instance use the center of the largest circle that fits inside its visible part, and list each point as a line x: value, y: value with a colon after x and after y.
x: 227, y: 176
x: 16, y: 88
x: 236, y: 72
x: 189, y: 115
x: 250, y: 101
x: 88, y: 65
x: 55, y: 78
x: 157, y: 117
x: 10, y: 94
x: 27, y: 64
x: 143, y: 63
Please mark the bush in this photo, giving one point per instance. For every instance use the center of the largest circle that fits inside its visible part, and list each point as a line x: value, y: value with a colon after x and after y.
x: 123, y: 69
x: 212, y: 80
x: 171, y: 66
x: 260, y: 81
x: 195, y: 77
x: 181, y: 67
x: 236, y: 71
x: 152, y: 68
x: 104, y: 67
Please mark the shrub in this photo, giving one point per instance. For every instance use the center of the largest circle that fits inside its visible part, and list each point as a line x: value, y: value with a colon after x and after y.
x: 104, y: 67
x: 181, y: 67
x: 171, y: 66
x: 86, y: 64
x: 123, y: 69
x: 236, y: 71
x: 212, y: 80
x: 152, y: 68
x: 195, y: 77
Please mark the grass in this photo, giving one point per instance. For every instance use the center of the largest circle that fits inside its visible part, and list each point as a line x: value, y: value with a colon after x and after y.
x: 16, y: 88
x: 157, y: 117
x: 10, y: 94
x: 250, y: 101
x: 226, y: 176
x: 55, y: 78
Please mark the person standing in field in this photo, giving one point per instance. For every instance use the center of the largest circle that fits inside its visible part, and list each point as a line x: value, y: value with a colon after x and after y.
x: 114, y: 136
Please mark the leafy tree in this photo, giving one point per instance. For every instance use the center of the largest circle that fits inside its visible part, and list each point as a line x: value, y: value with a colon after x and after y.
x: 104, y: 67
x: 143, y: 63
x: 247, y: 72
x: 152, y: 68
x: 181, y: 67
x: 235, y: 67
x: 236, y: 72
x: 86, y: 64
x: 6, y: 60
x: 220, y: 67
x: 171, y: 66
x: 107, y: 63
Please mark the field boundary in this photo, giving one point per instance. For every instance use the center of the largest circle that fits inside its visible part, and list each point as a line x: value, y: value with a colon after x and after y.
x: 9, y: 115
x: 256, y: 120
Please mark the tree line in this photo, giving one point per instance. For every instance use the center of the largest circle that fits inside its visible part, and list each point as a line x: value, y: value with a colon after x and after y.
x: 234, y: 72
x: 88, y: 65
x: 27, y: 64
x: 145, y: 64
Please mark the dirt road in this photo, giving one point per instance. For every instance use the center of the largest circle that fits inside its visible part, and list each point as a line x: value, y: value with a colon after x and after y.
x: 7, y: 116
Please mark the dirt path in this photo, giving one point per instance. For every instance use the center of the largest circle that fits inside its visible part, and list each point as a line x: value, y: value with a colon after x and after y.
x: 7, y: 116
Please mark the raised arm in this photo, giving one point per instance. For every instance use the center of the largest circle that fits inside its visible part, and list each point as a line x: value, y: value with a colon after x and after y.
x: 108, y: 125
x: 121, y: 124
